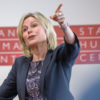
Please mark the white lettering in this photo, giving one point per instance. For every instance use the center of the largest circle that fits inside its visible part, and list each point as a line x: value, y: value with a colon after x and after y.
x: 10, y: 46
x: 11, y: 33
x: 2, y: 33
x: 82, y: 31
x: 83, y: 57
x: 99, y: 57
x: 3, y: 59
x: 98, y: 31
x: 13, y: 58
x: 92, y: 57
x: 90, y: 30
x: 93, y: 45
x: 16, y: 46
x: 6, y: 46
x: 83, y: 44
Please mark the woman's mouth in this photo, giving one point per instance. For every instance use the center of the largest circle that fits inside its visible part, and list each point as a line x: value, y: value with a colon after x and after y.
x: 31, y: 36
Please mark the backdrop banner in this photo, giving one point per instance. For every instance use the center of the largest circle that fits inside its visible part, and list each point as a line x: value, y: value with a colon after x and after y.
x: 89, y: 37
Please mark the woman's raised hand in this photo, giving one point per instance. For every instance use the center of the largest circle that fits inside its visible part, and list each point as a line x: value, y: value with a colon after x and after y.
x: 58, y: 15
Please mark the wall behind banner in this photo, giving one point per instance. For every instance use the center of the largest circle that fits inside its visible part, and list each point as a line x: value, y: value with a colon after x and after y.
x: 85, y: 81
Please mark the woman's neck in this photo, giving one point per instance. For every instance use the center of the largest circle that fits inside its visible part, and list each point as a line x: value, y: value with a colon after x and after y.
x: 39, y: 52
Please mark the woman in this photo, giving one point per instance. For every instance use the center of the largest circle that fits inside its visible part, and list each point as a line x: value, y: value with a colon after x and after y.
x: 44, y: 72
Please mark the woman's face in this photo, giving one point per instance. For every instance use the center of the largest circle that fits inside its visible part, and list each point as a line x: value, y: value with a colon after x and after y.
x: 33, y: 32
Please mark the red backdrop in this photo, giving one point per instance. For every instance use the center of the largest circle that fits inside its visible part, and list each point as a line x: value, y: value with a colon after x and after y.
x: 89, y: 37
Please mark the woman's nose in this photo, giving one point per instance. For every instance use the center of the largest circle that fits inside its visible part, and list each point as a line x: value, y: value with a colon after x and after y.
x: 29, y: 30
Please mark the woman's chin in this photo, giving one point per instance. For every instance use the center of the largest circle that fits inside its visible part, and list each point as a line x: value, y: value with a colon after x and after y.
x: 32, y: 45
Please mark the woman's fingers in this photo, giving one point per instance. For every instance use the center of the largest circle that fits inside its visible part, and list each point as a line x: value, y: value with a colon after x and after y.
x: 58, y: 16
x: 58, y: 9
x: 56, y: 12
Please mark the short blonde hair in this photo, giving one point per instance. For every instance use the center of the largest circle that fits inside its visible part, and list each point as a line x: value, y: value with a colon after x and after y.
x: 50, y: 32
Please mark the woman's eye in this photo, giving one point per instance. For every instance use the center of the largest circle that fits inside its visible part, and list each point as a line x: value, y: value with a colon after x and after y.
x: 25, y: 29
x: 34, y: 25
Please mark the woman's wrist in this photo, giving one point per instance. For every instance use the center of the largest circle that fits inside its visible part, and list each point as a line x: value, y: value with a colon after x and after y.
x: 64, y: 26
x: 69, y: 35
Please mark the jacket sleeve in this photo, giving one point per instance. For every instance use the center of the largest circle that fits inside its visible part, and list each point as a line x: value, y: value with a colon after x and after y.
x: 8, y: 88
x: 69, y: 52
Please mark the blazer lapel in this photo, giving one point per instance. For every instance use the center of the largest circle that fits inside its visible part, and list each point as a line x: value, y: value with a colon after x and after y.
x: 25, y: 68
x: 44, y: 69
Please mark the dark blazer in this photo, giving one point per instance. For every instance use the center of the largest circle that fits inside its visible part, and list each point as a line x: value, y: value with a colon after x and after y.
x: 54, y: 79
